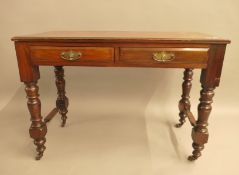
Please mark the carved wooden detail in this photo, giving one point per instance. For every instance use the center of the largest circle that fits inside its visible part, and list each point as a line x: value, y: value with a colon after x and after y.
x: 62, y: 100
x: 200, y: 131
x: 38, y: 128
x: 184, y: 103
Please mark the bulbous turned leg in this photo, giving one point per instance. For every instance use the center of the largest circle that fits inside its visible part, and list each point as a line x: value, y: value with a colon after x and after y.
x: 184, y: 103
x: 38, y: 128
x: 200, y: 131
x: 62, y: 101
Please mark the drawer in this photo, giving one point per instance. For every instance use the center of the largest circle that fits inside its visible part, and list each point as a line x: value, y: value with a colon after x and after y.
x: 45, y: 55
x: 165, y: 57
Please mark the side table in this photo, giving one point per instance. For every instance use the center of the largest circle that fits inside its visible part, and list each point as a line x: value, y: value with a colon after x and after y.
x: 121, y: 49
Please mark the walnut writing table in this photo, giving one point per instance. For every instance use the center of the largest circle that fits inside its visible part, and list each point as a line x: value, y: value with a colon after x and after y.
x: 121, y: 49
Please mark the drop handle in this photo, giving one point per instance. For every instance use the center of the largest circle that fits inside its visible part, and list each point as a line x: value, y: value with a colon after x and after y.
x: 71, y: 55
x: 163, y: 56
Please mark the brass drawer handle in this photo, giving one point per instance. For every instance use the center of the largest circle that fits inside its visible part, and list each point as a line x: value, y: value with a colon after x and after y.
x: 71, y: 55
x: 163, y: 56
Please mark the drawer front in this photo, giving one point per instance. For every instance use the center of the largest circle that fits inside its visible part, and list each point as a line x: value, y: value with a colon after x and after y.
x: 43, y: 55
x: 165, y: 57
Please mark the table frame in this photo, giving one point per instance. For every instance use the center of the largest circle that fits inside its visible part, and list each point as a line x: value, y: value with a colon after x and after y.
x: 210, y: 78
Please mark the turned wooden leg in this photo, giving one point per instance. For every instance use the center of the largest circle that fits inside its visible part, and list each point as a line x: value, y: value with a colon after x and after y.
x: 200, y: 132
x: 38, y: 128
x: 184, y: 103
x: 62, y: 100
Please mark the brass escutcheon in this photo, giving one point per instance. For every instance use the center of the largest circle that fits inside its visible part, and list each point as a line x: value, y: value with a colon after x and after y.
x: 163, y: 56
x: 71, y: 55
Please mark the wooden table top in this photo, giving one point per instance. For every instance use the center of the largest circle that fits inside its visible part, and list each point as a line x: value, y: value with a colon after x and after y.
x: 123, y: 36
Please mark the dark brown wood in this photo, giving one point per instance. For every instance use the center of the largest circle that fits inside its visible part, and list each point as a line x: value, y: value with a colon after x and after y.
x: 62, y: 101
x: 51, y: 114
x: 200, y: 131
x: 123, y: 36
x: 27, y: 71
x: 121, y: 49
x: 38, y: 128
x: 143, y: 56
x: 184, y: 104
x: 191, y: 118
x: 42, y: 55
x: 210, y: 78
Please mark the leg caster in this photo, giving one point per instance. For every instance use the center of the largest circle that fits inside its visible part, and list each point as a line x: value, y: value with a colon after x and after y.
x: 40, y: 147
x: 196, y: 152
x: 182, y: 120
